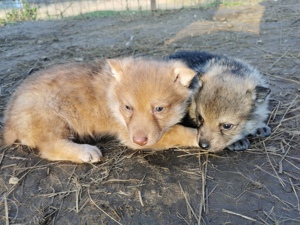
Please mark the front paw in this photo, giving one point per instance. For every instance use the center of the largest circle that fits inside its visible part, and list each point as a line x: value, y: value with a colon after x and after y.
x: 90, y: 154
x: 239, y: 145
x: 263, y: 131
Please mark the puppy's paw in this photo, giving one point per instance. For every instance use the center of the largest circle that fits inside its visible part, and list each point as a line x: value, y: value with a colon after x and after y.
x: 90, y: 154
x: 239, y: 145
x: 263, y: 131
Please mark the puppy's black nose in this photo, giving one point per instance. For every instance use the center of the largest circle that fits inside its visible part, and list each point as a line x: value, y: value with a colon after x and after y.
x: 204, y: 145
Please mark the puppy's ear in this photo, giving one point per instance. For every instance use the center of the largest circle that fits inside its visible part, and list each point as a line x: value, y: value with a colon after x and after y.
x: 200, y: 82
x: 261, y: 93
x: 183, y: 75
x: 115, y: 68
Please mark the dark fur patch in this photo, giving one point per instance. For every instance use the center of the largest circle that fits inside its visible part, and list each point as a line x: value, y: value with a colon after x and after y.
x: 188, y: 121
x: 201, y: 62
x: 261, y: 93
x: 92, y: 139
x: 195, y: 60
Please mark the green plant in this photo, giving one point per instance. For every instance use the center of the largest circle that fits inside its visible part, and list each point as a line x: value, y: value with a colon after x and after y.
x: 26, y: 13
x: 109, y: 13
x: 213, y: 4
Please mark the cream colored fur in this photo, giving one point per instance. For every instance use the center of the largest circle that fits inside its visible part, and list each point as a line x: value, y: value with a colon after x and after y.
x: 136, y: 100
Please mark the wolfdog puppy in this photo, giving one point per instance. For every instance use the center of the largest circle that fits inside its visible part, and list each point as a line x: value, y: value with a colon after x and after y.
x: 136, y: 100
x: 232, y: 101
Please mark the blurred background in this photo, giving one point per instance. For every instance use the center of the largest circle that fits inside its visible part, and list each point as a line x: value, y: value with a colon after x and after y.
x: 19, y: 10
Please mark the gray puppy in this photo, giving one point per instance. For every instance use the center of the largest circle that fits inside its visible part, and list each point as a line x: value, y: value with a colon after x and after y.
x: 230, y: 103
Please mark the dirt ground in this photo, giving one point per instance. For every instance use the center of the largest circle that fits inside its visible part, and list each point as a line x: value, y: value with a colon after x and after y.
x: 179, y: 186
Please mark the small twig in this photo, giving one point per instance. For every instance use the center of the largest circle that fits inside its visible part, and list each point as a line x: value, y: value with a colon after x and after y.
x: 120, y: 181
x: 268, y: 214
x: 277, y: 176
x: 50, y: 195
x: 237, y: 214
x: 258, y: 167
x: 274, y: 112
x: 278, y: 59
x: 287, y: 204
x: 84, y: 204
x: 283, y: 157
x: 3, y: 154
x: 282, y: 78
x: 292, y: 164
x: 94, y: 203
x: 181, y: 217
x: 139, y: 191
x: 211, y: 192
x: 204, y: 200
x: 290, y: 118
x: 263, y: 221
x: 187, y: 202
x: 77, y: 194
x: 293, y: 187
x: 6, y: 210
x: 71, y: 175
x: 287, y: 110
x: 140, y: 198
x: 295, y: 21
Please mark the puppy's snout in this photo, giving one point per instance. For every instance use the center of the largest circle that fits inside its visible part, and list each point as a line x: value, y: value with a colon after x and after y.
x: 140, y: 140
x: 204, y: 144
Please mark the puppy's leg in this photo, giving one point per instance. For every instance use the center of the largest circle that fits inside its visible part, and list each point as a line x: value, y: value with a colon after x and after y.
x: 66, y: 150
x: 178, y: 136
x: 48, y: 132
x: 239, y: 145
x: 244, y: 143
x: 264, y: 131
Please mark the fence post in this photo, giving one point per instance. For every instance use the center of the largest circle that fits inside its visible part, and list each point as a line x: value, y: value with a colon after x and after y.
x: 153, y: 5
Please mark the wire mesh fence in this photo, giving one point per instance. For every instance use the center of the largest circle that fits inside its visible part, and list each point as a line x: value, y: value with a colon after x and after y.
x: 48, y: 9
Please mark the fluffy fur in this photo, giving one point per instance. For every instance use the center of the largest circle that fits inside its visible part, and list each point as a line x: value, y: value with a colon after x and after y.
x: 231, y: 104
x: 135, y: 100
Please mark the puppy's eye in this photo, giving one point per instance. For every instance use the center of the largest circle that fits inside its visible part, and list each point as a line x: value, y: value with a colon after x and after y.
x: 158, y: 109
x: 226, y: 126
x: 127, y: 107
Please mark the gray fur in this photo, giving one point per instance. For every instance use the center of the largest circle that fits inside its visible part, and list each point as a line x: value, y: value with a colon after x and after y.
x: 232, y: 91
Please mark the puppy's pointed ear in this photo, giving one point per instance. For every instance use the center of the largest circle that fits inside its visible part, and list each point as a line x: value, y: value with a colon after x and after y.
x: 261, y: 93
x: 115, y: 68
x: 184, y: 75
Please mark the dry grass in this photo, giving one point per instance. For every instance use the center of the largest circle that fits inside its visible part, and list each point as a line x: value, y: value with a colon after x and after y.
x: 281, y: 165
x: 258, y: 186
x: 275, y: 166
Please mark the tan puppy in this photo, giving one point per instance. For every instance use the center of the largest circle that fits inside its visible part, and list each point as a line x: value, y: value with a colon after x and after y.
x: 135, y: 100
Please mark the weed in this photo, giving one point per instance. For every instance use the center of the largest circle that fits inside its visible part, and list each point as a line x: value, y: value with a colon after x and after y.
x: 27, y: 12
